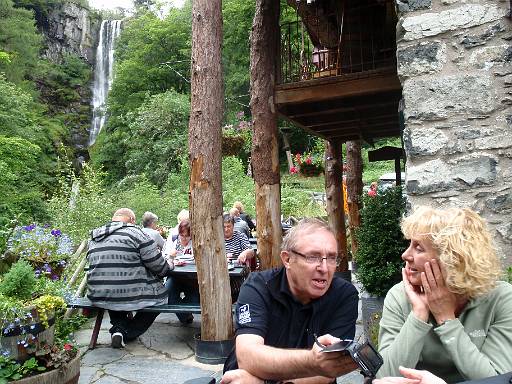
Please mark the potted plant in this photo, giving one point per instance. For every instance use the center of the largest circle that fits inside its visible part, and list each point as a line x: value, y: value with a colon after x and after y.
x: 34, y: 337
x: 380, y: 247
x: 308, y: 164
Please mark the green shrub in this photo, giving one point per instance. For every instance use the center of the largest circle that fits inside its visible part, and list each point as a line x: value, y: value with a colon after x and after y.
x: 19, y: 282
x: 380, y: 241
x: 508, y: 275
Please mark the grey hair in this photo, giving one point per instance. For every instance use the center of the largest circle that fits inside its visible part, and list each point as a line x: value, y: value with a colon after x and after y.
x: 306, y: 225
x: 149, y: 218
x: 227, y: 218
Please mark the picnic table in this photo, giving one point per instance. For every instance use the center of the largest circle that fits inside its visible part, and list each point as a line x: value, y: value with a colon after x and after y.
x: 187, y: 274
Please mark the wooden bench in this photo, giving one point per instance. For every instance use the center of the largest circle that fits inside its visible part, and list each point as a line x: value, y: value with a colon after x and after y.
x: 85, y: 303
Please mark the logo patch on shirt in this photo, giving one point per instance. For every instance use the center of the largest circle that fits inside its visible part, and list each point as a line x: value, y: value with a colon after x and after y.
x: 477, y: 333
x: 244, y: 315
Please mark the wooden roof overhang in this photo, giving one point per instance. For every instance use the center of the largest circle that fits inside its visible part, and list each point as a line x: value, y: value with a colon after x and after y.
x: 362, y: 105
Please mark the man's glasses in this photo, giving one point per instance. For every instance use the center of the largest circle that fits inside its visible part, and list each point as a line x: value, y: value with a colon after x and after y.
x: 331, y: 260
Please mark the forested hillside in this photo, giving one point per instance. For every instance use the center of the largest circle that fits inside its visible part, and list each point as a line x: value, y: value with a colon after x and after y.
x: 140, y: 158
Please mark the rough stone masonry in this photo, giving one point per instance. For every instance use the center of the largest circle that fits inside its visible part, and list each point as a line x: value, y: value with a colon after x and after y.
x: 455, y: 65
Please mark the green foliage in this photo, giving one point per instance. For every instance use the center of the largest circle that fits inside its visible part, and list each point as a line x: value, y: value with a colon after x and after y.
x: 380, y: 241
x: 237, y: 16
x: 157, y: 136
x: 18, y: 175
x: 78, y: 211
x: 61, y: 84
x: 19, y: 282
x: 508, y: 275
x: 146, y: 43
x: 65, y: 327
x: 11, y: 370
x: 236, y: 185
x: 298, y: 202
x: 20, y: 40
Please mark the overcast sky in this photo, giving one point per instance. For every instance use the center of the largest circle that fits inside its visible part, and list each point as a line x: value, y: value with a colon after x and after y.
x: 112, y: 4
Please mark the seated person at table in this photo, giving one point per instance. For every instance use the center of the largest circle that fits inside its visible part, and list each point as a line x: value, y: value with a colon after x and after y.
x: 240, y: 225
x: 450, y: 315
x: 279, y: 311
x: 149, y: 220
x: 125, y: 268
x: 181, y: 251
x: 243, y: 215
x: 237, y: 244
x: 182, y: 215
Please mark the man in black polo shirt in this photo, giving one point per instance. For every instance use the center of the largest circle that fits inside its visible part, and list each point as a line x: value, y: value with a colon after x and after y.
x: 279, y: 312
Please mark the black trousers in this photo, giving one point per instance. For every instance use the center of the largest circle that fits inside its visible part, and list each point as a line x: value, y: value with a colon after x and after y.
x: 131, y: 328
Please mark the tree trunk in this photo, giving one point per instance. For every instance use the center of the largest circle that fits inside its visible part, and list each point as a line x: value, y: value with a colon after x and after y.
x: 354, y: 188
x: 265, y: 145
x: 334, y: 196
x: 205, y: 170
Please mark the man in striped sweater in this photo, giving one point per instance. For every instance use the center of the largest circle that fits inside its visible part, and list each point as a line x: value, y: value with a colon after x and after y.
x: 125, y: 272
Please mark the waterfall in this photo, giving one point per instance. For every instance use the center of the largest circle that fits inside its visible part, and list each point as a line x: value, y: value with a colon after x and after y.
x: 109, y: 31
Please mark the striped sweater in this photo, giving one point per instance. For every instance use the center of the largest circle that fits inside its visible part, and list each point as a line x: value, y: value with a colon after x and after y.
x: 125, y: 268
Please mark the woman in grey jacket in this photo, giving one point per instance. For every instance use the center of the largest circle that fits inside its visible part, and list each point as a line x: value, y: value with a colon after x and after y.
x: 449, y: 315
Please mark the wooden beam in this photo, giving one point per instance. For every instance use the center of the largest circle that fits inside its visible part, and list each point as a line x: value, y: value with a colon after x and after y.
x: 340, y: 89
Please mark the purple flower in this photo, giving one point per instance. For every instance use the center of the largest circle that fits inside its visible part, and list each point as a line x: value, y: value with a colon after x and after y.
x: 37, y: 272
x: 30, y: 227
x: 55, y: 277
x: 47, y: 268
x: 56, y: 232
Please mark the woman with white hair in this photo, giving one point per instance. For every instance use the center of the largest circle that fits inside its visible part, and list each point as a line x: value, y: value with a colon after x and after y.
x: 450, y: 315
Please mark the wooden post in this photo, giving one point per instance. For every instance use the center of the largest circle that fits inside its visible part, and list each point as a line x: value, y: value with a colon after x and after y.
x: 265, y: 145
x: 334, y: 196
x: 205, y: 170
x: 286, y: 147
x: 354, y: 188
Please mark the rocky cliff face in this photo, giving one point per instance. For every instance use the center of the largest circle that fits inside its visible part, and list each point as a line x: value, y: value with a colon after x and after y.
x: 71, y: 29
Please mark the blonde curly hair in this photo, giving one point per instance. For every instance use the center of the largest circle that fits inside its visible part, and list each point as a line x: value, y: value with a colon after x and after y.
x: 463, y: 244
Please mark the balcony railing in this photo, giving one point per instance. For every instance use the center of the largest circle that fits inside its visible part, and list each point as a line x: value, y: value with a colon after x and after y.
x: 362, y: 47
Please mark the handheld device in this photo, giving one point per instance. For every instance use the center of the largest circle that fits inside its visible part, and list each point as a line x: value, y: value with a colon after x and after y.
x: 365, y: 355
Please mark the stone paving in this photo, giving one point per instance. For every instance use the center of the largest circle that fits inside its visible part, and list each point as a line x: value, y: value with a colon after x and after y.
x: 163, y: 355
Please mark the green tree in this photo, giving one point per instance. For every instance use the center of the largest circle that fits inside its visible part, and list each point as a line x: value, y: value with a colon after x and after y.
x: 142, y: 49
x: 237, y: 17
x: 20, y: 40
x: 21, y: 196
x: 157, y: 139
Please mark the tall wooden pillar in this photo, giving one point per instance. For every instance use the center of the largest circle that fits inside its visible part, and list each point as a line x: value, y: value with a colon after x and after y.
x: 265, y: 145
x: 354, y: 188
x: 334, y: 195
x: 205, y: 173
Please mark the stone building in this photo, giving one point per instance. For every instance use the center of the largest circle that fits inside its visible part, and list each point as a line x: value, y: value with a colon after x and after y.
x: 454, y: 61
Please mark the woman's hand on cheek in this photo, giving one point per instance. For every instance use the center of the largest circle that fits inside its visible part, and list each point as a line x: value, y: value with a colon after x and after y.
x: 441, y: 302
x: 416, y: 298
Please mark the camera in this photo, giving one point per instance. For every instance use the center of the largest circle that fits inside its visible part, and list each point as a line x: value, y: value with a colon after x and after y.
x: 365, y: 355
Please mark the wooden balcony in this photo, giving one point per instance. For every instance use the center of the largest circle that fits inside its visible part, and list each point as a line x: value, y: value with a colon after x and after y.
x: 361, y: 105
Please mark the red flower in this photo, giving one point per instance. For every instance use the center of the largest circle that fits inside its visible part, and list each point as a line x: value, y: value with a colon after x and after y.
x: 308, y: 160
x: 372, y: 193
x: 294, y: 170
x: 68, y: 347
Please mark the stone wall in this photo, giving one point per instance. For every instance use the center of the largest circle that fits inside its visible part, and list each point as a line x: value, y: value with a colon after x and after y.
x: 71, y: 29
x: 455, y: 65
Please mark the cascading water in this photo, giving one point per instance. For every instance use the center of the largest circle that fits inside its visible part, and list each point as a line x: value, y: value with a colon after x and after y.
x: 109, y: 31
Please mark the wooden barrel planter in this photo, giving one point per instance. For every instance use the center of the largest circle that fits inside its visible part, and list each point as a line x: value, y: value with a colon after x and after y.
x: 67, y: 374
x: 11, y: 337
